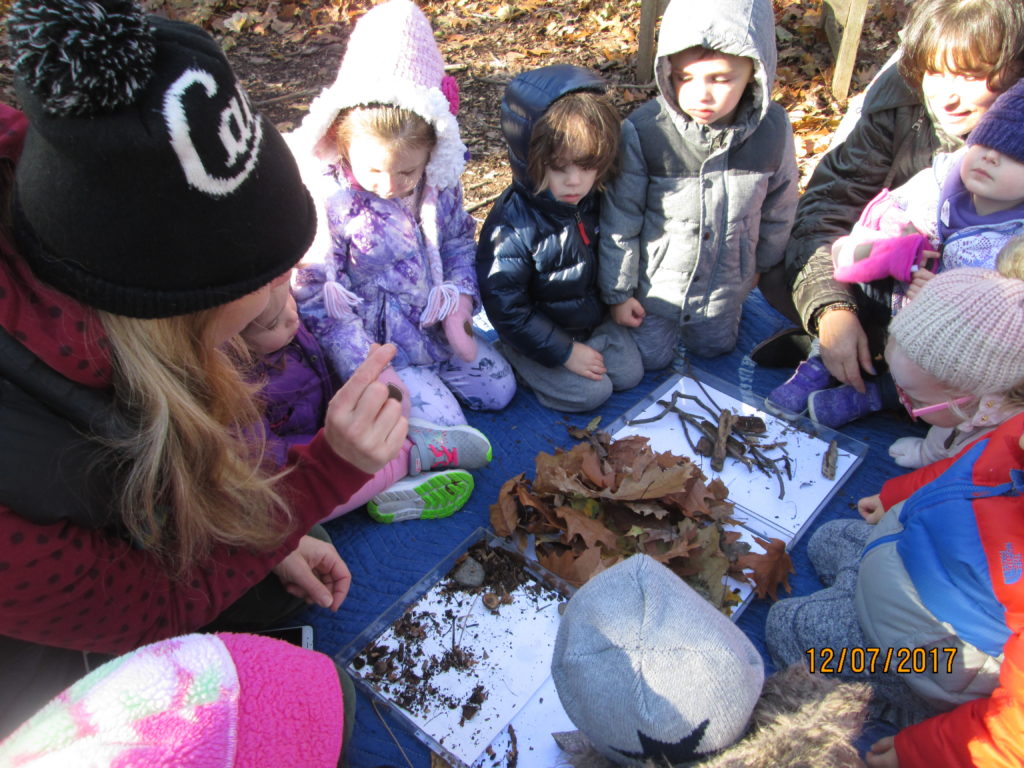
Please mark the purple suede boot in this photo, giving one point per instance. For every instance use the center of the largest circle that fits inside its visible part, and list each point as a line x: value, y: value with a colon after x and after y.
x: 790, y: 398
x: 841, y: 405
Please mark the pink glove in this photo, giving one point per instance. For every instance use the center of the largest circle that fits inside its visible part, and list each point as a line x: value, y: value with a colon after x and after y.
x: 395, y: 384
x: 458, y: 329
x: 892, y: 257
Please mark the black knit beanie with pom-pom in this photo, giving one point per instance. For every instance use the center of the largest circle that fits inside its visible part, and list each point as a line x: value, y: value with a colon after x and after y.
x: 148, y: 186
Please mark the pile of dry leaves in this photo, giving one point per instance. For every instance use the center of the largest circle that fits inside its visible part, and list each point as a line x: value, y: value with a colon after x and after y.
x: 604, y: 500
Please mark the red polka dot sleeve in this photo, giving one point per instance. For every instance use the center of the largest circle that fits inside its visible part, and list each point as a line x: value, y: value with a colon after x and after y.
x: 75, y: 587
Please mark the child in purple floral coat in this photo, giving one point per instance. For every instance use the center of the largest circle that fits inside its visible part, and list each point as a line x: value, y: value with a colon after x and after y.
x: 427, y: 479
x: 399, y: 266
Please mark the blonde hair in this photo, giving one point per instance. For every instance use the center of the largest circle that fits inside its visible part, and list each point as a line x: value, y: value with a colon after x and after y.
x: 1010, y: 261
x: 191, y: 467
x: 581, y: 127
x: 400, y: 127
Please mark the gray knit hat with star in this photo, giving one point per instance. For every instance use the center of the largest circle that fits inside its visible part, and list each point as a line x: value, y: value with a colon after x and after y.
x: 647, y: 669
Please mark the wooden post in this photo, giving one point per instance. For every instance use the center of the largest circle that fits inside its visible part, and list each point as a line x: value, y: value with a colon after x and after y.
x: 650, y: 12
x: 844, y: 22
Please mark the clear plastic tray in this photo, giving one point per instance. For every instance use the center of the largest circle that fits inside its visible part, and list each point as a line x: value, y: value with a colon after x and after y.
x: 510, y: 651
x: 756, y: 495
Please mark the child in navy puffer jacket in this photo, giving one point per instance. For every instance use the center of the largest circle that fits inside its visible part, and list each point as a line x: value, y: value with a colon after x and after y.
x: 537, y: 255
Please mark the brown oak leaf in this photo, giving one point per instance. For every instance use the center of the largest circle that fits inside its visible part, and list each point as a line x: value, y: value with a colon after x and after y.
x: 770, y: 569
x: 591, y: 530
x: 505, y: 511
x: 576, y: 570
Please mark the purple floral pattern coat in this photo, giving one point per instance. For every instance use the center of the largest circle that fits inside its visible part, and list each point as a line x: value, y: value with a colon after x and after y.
x: 296, y: 389
x: 379, y: 254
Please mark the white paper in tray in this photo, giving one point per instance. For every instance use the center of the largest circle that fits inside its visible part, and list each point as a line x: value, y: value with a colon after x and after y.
x: 755, y: 494
x: 510, y: 650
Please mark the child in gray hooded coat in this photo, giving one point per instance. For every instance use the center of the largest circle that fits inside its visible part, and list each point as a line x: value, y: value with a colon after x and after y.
x: 707, y: 188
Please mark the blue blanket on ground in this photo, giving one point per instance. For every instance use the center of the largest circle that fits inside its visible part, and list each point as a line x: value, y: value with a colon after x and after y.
x: 387, y: 560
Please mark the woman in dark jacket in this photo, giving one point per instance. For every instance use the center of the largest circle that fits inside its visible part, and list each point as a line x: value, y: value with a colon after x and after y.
x: 537, y: 255
x: 956, y: 59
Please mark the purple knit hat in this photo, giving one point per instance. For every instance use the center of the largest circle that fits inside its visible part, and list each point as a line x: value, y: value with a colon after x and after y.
x: 1002, y: 127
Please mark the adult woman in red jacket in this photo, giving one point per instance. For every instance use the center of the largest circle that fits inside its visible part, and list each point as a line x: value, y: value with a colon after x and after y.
x: 151, y: 212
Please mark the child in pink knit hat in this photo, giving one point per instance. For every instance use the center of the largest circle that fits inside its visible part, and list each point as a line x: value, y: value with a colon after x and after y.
x: 383, y: 157
x: 955, y: 355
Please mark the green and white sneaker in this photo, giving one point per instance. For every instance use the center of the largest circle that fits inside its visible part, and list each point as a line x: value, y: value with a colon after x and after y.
x: 427, y: 496
x: 441, y: 447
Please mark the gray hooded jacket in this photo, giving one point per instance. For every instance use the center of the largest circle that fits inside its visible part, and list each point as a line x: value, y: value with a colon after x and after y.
x: 697, y: 211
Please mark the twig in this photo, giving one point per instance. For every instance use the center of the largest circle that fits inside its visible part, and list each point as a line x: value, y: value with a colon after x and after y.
x: 700, y: 385
x: 465, y: 621
x: 725, y: 421
x: 482, y: 203
x: 828, y: 461
x: 686, y: 432
x: 373, y: 705
x: 287, y: 97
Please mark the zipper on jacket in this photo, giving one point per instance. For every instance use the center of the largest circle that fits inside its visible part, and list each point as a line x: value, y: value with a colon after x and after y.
x: 582, y: 229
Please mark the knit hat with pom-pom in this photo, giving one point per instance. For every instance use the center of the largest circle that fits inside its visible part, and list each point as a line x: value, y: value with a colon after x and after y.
x: 148, y: 186
x: 965, y: 329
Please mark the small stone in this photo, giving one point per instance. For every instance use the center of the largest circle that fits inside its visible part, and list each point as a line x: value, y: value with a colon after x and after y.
x: 469, y: 574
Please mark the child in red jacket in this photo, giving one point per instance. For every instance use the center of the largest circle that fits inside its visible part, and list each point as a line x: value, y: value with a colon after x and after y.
x: 924, y: 599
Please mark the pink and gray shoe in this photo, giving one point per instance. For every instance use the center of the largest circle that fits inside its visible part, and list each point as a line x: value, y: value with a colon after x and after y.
x: 446, y: 447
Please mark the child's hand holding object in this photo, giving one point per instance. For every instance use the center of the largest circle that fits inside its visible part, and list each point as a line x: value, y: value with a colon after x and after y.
x: 871, y: 509
x: 458, y: 329
x: 362, y: 426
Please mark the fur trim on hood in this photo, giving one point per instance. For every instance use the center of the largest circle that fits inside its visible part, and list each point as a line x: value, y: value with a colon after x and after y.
x: 391, y: 58
x: 800, y: 721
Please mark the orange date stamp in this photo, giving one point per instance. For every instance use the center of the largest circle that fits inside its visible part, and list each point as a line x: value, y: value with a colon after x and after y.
x: 902, y: 661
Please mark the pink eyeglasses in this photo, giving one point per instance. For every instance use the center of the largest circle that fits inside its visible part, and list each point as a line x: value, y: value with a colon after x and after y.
x: 925, y: 409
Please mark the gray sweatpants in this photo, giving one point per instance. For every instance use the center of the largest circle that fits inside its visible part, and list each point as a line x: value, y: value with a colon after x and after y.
x: 827, y: 619
x: 563, y: 390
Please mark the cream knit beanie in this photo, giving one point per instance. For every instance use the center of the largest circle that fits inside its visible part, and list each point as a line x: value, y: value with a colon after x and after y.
x: 966, y: 328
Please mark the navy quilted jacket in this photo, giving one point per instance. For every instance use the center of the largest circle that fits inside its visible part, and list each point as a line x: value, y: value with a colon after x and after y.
x: 537, y: 258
